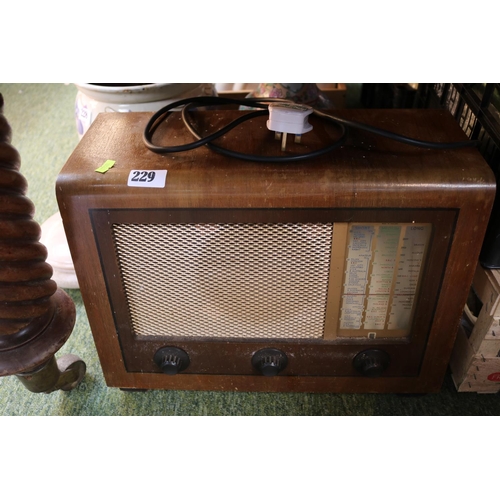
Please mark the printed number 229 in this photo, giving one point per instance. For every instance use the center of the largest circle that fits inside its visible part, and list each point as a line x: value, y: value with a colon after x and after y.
x: 141, y: 176
x: 147, y: 178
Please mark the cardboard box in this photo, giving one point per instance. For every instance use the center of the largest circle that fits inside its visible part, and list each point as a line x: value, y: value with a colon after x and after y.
x: 475, y: 361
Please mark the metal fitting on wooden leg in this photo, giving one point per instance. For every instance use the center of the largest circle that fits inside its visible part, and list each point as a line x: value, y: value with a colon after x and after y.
x: 64, y: 374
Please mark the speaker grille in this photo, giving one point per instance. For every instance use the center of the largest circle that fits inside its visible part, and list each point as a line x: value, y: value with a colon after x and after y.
x: 225, y: 280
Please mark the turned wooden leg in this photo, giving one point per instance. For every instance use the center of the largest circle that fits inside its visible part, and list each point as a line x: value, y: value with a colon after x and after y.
x: 36, y: 317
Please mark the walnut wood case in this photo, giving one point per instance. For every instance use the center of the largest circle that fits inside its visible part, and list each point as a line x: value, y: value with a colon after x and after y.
x: 199, y: 267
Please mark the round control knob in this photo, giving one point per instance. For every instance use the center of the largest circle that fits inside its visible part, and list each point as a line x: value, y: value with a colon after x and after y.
x: 171, y: 360
x: 372, y: 362
x: 269, y: 362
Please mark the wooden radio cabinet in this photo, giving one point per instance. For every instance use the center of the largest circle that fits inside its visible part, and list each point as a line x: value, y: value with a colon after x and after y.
x: 345, y: 273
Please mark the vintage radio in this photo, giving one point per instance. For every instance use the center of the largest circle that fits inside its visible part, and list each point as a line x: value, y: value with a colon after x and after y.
x: 347, y: 272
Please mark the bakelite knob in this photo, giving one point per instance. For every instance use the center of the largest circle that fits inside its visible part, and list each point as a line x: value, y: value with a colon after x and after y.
x: 372, y: 362
x: 171, y: 360
x: 269, y: 362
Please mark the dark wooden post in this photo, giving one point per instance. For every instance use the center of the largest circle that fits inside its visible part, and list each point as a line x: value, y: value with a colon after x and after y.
x: 36, y: 317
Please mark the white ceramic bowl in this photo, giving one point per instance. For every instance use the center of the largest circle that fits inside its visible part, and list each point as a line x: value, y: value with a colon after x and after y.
x: 95, y: 98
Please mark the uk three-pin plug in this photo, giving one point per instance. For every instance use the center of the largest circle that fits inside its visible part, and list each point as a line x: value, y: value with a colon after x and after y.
x: 288, y: 118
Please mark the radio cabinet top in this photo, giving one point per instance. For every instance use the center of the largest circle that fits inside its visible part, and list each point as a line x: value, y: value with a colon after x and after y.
x: 368, y: 171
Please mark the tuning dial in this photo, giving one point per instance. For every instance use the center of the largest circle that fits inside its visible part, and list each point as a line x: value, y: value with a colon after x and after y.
x: 269, y: 362
x: 372, y: 362
x: 171, y: 360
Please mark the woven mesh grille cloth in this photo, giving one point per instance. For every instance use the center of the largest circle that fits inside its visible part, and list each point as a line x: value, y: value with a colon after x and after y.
x: 225, y: 280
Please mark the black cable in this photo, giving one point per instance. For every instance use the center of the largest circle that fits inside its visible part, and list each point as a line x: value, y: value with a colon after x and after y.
x: 163, y: 113
x: 259, y: 158
x: 343, y: 124
x: 402, y: 138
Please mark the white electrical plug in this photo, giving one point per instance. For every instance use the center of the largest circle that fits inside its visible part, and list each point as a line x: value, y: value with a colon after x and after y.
x: 288, y: 117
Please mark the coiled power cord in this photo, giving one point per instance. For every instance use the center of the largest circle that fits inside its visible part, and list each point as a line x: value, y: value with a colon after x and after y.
x: 262, y: 109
